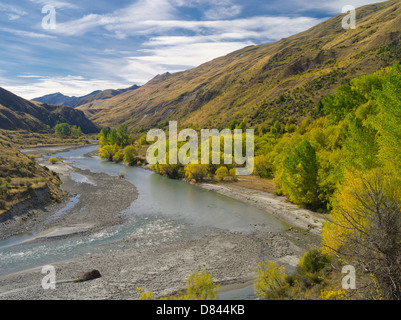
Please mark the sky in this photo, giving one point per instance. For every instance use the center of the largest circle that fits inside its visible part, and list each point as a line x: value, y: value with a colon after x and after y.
x: 77, y: 47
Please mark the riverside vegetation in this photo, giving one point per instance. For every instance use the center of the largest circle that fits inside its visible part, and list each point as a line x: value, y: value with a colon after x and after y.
x: 345, y: 163
x: 328, y: 123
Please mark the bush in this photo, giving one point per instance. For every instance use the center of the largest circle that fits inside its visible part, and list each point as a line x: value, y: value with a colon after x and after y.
x: 118, y: 156
x: 313, y: 261
x: 271, y: 281
x: 195, y: 171
x: 233, y: 174
x: 221, y: 173
x: 130, y: 154
x: 53, y: 160
x: 172, y: 171
x: 262, y: 168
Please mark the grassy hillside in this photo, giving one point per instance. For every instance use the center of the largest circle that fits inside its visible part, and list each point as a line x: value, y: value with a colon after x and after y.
x: 17, y: 113
x: 22, y: 179
x: 281, y: 81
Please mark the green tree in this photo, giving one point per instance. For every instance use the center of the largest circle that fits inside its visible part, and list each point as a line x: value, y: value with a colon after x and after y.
x: 123, y: 136
x: 388, y: 120
x: 63, y: 128
x: 130, y: 154
x: 118, y: 156
x: 108, y: 151
x: 76, y: 132
x: 299, y: 180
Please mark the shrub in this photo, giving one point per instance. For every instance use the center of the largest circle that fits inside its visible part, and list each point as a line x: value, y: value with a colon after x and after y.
x: 196, y: 172
x: 130, y: 154
x: 118, y: 156
x: 270, y: 282
x: 172, y: 171
x: 314, y: 261
x: 233, y: 174
x: 53, y: 160
x: 221, y: 173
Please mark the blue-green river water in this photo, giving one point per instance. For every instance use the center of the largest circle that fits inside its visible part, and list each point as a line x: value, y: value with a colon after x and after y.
x: 166, y: 210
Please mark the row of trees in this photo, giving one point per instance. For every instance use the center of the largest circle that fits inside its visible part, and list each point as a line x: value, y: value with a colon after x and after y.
x: 348, y: 163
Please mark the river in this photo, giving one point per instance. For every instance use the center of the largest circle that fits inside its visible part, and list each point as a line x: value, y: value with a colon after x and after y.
x: 166, y: 210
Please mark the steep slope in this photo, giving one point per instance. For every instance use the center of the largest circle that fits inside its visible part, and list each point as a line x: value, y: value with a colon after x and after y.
x: 279, y: 81
x: 18, y: 113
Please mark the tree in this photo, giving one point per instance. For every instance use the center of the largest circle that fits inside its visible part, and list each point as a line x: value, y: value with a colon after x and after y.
x: 123, y: 136
x: 233, y: 174
x: 222, y: 172
x: 263, y: 168
x: 270, y: 282
x: 196, y: 172
x: 108, y: 151
x: 130, y: 154
x: 366, y: 230
x: 118, y: 156
x: 388, y: 120
x: 63, y: 128
x: 172, y: 171
x: 103, y: 136
x: 200, y: 286
x: 299, y: 179
x: 76, y: 132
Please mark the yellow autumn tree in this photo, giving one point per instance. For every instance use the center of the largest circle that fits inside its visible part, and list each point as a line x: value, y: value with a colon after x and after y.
x: 365, y: 230
x: 200, y: 286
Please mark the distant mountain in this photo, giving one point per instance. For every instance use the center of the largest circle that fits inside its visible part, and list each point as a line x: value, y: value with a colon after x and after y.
x: 57, y: 99
x: 282, y: 81
x: 61, y: 100
x: 18, y: 113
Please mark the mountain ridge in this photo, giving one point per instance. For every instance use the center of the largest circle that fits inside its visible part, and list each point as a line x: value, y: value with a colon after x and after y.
x: 60, y: 99
x: 281, y: 81
x: 17, y: 113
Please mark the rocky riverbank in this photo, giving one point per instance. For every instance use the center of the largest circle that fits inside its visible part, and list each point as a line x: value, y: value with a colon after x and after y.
x: 231, y: 257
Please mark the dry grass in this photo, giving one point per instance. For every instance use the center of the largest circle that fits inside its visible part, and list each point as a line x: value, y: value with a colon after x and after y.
x: 21, y: 177
x: 255, y: 183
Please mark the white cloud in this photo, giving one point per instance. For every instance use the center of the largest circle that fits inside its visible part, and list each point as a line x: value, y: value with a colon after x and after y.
x: 69, y: 85
x: 120, y: 20
x: 27, y: 34
x: 56, y: 3
x: 13, y: 12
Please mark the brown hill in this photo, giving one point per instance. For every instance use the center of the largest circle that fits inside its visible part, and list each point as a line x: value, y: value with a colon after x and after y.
x: 279, y: 81
x: 18, y: 113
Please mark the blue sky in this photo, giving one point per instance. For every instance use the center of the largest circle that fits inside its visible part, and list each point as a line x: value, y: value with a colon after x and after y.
x: 114, y: 44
